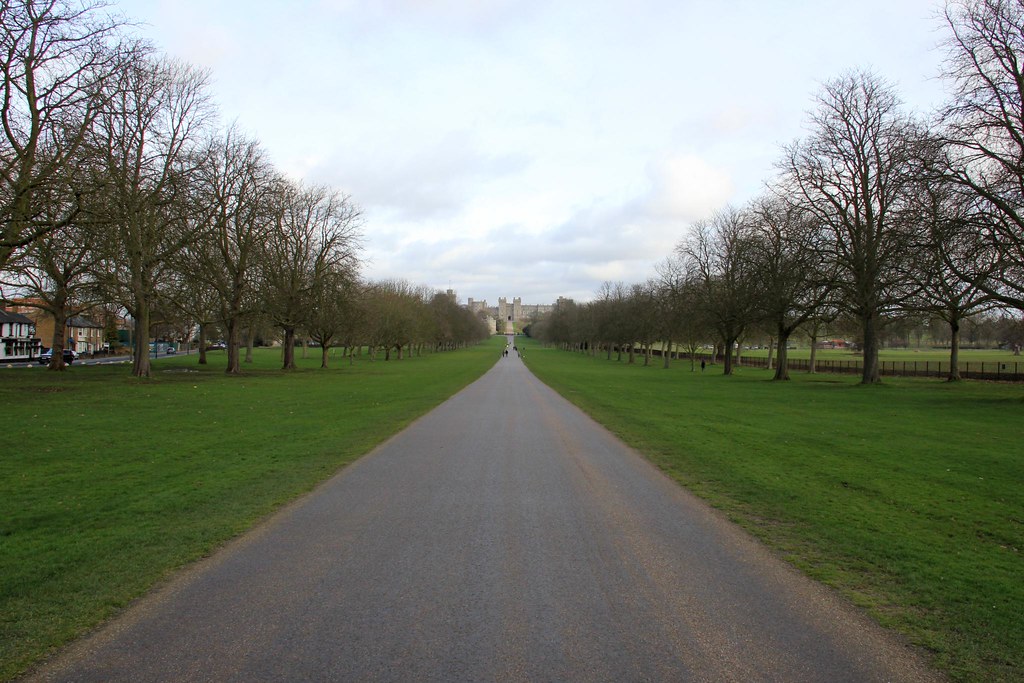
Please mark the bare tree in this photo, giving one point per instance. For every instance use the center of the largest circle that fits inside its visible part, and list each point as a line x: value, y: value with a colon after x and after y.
x: 146, y: 138
x: 56, y: 57
x: 394, y: 311
x: 333, y: 306
x: 233, y: 194
x: 671, y: 305
x: 315, y: 232
x: 644, y: 317
x: 54, y: 273
x: 683, y: 319
x: 719, y: 253
x: 984, y: 130
x: 611, y: 317
x: 794, y: 278
x: 851, y: 175
x: 949, y: 245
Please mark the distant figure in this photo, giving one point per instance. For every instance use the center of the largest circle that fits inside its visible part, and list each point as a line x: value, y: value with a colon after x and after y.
x: 702, y: 364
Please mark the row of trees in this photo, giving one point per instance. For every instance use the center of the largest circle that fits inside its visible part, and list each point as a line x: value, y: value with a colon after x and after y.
x: 874, y: 216
x: 118, y: 186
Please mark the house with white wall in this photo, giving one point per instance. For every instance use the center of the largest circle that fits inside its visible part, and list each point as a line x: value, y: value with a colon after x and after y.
x: 18, y: 340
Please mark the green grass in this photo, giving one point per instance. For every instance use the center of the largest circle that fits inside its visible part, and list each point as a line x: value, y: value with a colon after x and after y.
x: 908, y: 496
x: 109, y: 483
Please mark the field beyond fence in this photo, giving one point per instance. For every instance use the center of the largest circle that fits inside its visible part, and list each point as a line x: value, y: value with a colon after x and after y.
x: 988, y: 370
x: 993, y: 365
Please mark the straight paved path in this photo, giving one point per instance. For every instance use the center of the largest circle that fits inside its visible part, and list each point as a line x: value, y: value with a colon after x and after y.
x: 503, y: 537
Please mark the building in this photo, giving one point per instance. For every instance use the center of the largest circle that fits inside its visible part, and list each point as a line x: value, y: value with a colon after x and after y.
x: 508, y: 314
x: 81, y: 334
x: 18, y: 340
x: 84, y: 335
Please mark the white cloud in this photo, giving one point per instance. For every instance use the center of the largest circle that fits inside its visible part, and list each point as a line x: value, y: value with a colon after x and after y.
x: 525, y: 148
x: 688, y: 188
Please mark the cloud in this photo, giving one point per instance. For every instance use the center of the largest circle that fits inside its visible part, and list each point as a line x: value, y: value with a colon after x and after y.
x: 688, y: 188
x: 421, y: 182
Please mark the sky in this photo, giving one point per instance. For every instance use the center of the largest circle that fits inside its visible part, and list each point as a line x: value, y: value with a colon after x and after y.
x: 520, y: 148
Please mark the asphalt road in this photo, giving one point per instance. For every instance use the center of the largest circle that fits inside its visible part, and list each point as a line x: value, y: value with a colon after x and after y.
x: 503, y: 537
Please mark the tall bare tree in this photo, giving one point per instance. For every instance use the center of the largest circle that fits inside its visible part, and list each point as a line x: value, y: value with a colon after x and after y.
x: 233, y: 196
x: 984, y: 130
x: 851, y: 175
x: 56, y: 57
x: 315, y: 232
x: 146, y: 138
x: 948, y: 253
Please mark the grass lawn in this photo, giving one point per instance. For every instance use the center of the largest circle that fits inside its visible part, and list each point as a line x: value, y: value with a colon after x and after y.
x: 108, y: 483
x: 908, y: 496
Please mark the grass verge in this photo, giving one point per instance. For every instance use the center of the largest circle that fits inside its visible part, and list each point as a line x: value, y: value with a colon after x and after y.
x: 908, y: 496
x: 109, y: 483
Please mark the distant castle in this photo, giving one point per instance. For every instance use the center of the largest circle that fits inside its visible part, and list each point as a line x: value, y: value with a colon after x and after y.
x: 516, y: 312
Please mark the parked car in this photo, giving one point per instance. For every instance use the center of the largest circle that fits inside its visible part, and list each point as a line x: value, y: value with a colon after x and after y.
x: 171, y: 351
x: 217, y: 346
x: 70, y: 356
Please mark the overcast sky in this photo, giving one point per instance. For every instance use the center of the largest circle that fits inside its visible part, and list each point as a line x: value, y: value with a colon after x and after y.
x: 536, y: 149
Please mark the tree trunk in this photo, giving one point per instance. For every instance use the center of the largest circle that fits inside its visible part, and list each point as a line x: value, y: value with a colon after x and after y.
x: 811, y: 369
x: 954, y: 350
x: 60, y: 324
x: 141, y: 366
x: 324, y: 352
x: 871, y: 374
x: 782, y: 366
x: 665, y: 355
x: 233, y: 367
x: 729, y: 343
x: 771, y: 349
x: 289, y: 349
x: 202, y: 344
x: 250, y: 341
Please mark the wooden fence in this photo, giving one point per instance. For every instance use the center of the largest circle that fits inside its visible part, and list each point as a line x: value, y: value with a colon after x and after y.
x: 1012, y: 371
x: 1001, y: 371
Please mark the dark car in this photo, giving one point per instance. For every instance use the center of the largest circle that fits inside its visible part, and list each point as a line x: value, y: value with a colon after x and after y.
x: 70, y: 356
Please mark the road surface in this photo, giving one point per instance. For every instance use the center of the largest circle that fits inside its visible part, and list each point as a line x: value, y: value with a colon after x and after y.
x: 503, y: 537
